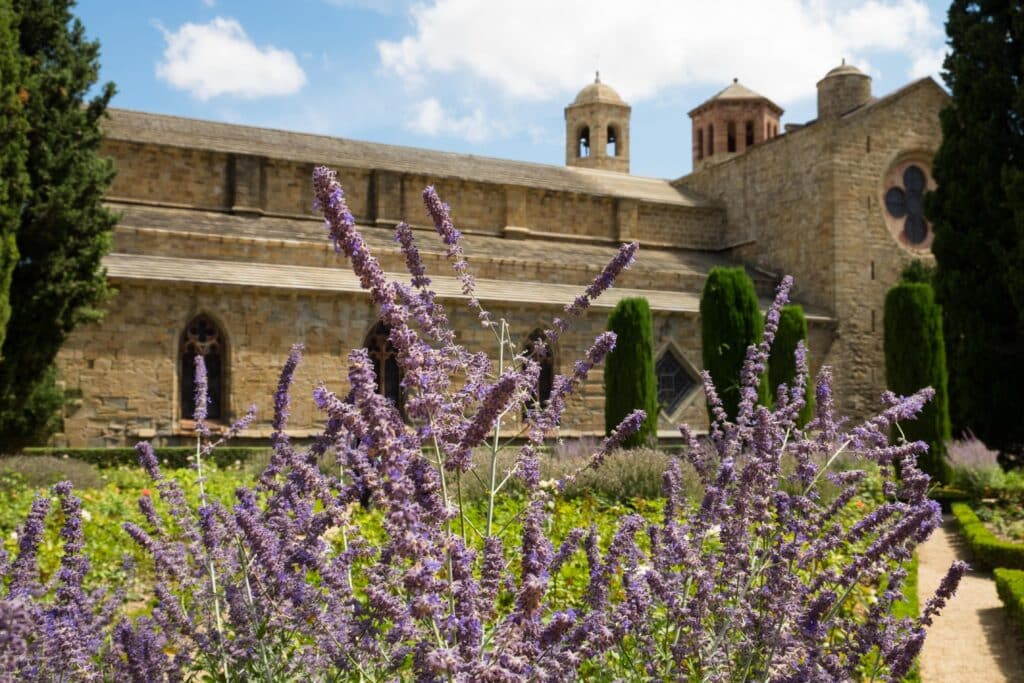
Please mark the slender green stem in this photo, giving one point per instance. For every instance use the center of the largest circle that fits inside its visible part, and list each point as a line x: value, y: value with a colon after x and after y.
x: 492, y: 489
x: 209, y: 563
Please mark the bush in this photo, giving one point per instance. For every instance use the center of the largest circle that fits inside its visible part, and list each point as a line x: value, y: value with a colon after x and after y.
x: 730, y: 321
x: 915, y: 357
x: 986, y: 547
x: 974, y: 468
x: 629, y: 381
x: 782, y: 362
x: 1010, y: 586
x: 43, y: 471
x: 170, y: 456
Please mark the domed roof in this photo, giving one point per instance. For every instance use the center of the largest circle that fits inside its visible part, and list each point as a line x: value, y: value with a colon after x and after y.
x: 598, y: 92
x: 845, y: 69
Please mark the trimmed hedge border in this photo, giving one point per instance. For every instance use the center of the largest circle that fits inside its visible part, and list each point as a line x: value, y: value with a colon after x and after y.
x: 1010, y: 586
x: 985, y: 546
x: 169, y: 456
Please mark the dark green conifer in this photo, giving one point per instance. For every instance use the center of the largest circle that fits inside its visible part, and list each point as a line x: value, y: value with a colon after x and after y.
x: 730, y: 320
x: 915, y: 357
x: 629, y: 381
x: 782, y: 362
x: 13, y: 149
x: 64, y: 231
x: 977, y: 214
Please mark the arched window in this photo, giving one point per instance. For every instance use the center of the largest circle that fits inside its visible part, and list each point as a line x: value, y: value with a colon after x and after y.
x: 700, y: 144
x: 730, y: 139
x: 385, y: 365
x: 750, y: 133
x: 547, y: 369
x: 711, y: 140
x: 612, y: 149
x: 583, y: 143
x: 202, y: 337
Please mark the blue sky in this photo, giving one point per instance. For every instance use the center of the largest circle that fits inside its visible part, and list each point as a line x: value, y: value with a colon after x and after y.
x: 492, y: 78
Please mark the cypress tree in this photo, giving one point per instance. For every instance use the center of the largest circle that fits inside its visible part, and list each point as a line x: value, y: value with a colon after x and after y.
x: 629, y: 381
x: 13, y: 149
x: 782, y: 362
x: 64, y: 230
x: 730, y: 321
x: 977, y: 215
x: 915, y: 357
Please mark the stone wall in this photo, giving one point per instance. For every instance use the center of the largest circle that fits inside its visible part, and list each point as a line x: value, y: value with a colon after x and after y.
x: 124, y: 371
x: 253, y: 185
x: 778, y: 204
x: 868, y: 259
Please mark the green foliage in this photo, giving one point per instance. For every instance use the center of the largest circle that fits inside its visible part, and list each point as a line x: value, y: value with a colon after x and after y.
x: 114, y: 500
x: 782, y: 362
x: 977, y: 214
x: 64, y: 229
x: 13, y: 150
x: 915, y: 357
x: 629, y: 381
x: 1010, y: 586
x: 987, y: 548
x: 918, y: 271
x: 730, y: 321
x: 169, y: 456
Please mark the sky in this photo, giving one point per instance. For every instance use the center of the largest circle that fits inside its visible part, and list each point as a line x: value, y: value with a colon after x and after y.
x: 492, y: 77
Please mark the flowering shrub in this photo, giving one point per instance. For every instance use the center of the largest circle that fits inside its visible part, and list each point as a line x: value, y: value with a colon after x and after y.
x: 752, y: 581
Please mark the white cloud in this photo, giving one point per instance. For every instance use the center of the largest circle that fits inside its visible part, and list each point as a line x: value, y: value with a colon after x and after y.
x: 218, y: 58
x: 928, y: 63
x: 539, y: 50
x: 430, y: 118
x: 209, y: 3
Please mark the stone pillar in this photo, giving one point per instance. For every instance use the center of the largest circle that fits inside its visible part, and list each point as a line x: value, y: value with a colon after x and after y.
x: 386, y: 193
x: 247, y: 183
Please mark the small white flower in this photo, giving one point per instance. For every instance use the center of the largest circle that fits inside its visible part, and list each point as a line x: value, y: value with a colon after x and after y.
x: 14, y: 536
x: 86, y: 515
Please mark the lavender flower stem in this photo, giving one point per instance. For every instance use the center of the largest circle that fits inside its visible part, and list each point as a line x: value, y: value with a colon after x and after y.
x: 828, y: 464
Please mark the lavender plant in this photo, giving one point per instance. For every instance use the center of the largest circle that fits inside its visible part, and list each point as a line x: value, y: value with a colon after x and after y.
x: 285, y: 582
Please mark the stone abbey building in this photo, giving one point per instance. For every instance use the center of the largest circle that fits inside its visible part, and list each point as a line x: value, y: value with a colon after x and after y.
x: 218, y: 252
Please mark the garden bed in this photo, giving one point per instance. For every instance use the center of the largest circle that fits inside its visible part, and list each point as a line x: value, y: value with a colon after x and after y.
x: 987, y: 549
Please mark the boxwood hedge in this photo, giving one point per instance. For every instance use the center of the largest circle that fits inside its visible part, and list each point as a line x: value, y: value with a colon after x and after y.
x: 987, y: 548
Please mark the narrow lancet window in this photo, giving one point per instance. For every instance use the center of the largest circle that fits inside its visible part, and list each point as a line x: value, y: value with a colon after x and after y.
x: 541, y: 353
x: 385, y: 364
x: 202, y: 337
x: 613, y: 142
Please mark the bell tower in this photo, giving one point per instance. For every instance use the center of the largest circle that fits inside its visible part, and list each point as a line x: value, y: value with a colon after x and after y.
x: 597, y: 129
x: 730, y: 122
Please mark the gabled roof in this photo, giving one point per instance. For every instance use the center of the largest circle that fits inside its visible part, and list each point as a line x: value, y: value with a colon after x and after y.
x: 909, y: 88
x: 175, y: 131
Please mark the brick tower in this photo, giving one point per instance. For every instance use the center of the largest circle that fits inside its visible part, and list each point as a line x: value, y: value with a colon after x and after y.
x: 731, y: 121
x: 597, y: 129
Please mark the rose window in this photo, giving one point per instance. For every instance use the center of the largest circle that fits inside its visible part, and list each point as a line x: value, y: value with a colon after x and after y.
x: 903, y: 201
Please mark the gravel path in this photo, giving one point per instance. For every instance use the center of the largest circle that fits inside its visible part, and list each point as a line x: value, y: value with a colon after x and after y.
x: 972, y: 641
